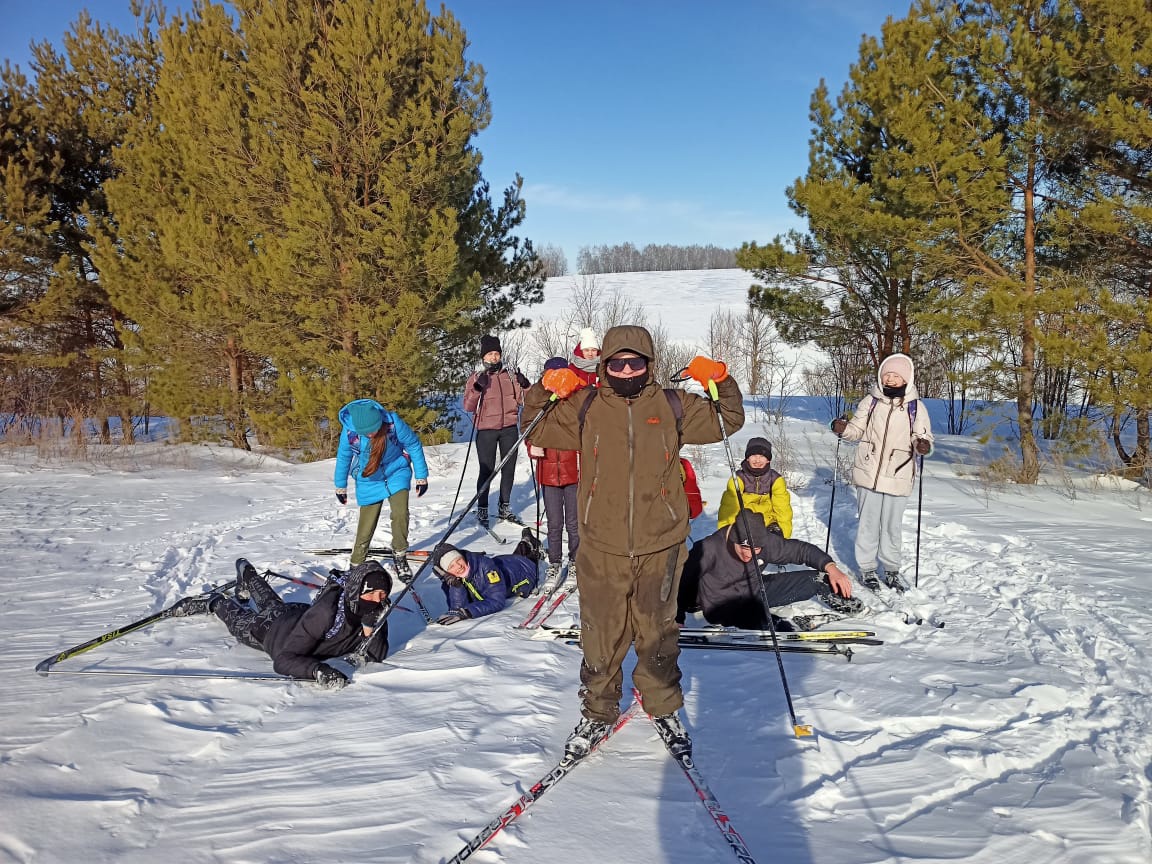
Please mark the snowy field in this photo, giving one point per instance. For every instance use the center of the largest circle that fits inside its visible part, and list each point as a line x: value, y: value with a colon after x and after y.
x: 1020, y: 732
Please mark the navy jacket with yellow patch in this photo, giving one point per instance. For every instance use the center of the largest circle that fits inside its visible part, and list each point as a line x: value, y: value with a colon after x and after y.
x: 491, y: 580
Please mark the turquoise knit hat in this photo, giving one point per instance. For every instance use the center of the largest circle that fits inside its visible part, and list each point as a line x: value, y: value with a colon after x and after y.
x: 365, y: 417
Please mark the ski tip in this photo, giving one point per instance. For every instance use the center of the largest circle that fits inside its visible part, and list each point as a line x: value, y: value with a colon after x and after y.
x: 803, y: 731
x: 43, y: 667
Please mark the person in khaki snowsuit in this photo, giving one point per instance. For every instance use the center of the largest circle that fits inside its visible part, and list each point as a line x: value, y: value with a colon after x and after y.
x: 633, y: 515
x: 893, y: 429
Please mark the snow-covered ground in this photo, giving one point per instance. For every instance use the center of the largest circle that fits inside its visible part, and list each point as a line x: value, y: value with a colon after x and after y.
x: 1020, y: 732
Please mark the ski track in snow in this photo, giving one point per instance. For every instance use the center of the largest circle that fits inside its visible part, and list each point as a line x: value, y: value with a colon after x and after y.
x: 1018, y: 733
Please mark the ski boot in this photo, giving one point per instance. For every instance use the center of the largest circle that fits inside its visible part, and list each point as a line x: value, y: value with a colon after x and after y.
x: 482, y: 516
x: 587, y: 734
x: 403, y: 571
x: 870, y: 580
x: 552, y: 578
x: 244, y: 573
x: 505, y: 514
x: 892, y: 580
x: 672, y: 731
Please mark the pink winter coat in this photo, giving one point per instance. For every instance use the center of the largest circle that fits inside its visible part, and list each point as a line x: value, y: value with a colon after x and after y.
x: 502, y: 399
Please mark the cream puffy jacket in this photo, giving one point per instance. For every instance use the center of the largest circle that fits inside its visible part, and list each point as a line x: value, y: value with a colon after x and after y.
x: 884, y: 458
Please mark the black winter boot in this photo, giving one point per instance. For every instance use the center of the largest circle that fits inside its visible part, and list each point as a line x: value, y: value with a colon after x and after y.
x: 482, y: 516
x: 505, y: 514
x: 672, y: 731
x: 892, y: 580
x: 869, y: 580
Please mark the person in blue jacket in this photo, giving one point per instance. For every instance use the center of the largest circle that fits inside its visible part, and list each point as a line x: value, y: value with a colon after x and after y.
x: 382, y: 453
x: 476, y: 584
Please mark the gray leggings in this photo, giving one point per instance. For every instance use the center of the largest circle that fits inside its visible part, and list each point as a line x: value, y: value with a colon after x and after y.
x: 560, y: 507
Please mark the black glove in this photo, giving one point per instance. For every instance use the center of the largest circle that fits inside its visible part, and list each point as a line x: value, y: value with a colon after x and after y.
x: 839, y: 425
x: 329, y: 678
x: 342, y: 496
x: 923, y: 446
x: 481, y: 382
x: 776, y: 529
x: 522, y: 381
x: 421, y: 488
x: 454, y: 617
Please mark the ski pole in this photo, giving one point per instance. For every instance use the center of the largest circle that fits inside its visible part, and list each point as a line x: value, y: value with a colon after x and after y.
x: 294, y: 580
x: 919, y: 510
x: 799, y: 729
x: 45, y: 665
x: 835, y: 473
x: 361, y: 653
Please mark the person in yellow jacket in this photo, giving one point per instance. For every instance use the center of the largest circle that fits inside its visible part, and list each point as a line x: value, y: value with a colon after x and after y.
x: 762, y: 488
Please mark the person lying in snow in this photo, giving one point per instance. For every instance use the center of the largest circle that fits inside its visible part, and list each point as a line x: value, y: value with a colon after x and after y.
x: 476, y: 584
x: 721, y: 579
x: 300, y: 636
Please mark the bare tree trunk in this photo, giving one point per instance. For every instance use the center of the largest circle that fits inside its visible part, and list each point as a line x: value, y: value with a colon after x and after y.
x: 1026, y: 385
x: 236, y: 424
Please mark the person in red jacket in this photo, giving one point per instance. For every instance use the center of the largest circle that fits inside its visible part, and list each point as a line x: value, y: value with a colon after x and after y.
x: 558, y: 473
x: 585, y: 361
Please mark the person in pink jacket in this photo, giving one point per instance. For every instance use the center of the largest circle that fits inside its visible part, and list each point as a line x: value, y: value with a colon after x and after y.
x: 493, y: 396
x: 893, y: 429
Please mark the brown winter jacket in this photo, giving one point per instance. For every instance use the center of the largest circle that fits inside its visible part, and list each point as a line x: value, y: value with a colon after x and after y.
x: 631, y: 497
x: 502, y: 399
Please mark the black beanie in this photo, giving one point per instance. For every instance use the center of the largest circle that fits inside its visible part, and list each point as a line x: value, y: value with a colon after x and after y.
x: 371, y: 576
x: 489, y: 343
x: 749, y: 529
x: 759, y: 447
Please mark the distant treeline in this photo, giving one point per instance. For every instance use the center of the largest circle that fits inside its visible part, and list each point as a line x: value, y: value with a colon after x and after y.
x: 626, y: 258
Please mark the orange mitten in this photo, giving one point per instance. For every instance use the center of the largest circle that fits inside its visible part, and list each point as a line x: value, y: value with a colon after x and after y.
x: 705, y: 369
x: 563, y: 382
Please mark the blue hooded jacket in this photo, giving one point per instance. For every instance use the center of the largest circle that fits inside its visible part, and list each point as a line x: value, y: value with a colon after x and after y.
x: 402, y: 454
x: 491, y: 580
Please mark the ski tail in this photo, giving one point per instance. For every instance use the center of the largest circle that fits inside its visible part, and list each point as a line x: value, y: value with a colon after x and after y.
x: 44, y: 667
x: 536, y: 792
x: 719, y: 818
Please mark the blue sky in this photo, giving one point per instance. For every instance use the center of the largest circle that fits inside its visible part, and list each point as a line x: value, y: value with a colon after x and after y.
x: 650, y: 121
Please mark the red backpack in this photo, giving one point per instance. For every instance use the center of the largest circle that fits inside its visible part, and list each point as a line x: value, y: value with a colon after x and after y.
x: 691, y: 489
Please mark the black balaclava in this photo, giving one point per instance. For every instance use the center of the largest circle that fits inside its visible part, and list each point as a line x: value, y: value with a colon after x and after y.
x: 629, y: 388
x: 894, y: 392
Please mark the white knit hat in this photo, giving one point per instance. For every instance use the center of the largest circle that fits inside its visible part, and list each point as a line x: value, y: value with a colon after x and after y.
x: 588, y: 339
x: 449, y: 558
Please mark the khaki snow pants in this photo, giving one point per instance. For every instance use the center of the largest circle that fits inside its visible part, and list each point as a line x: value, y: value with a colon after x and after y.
x: 370, y: 517
x: 626, y: 601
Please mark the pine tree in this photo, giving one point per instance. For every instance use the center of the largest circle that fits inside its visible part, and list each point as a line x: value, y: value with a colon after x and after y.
x: 1106, y: 220
x: 312, y: 215
x: 56, y: 153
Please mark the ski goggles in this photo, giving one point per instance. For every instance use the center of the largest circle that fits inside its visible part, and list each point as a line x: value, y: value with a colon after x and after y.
x: 619, y: 364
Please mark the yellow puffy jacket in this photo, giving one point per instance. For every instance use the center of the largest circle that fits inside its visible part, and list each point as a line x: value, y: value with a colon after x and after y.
x: 766, y: 495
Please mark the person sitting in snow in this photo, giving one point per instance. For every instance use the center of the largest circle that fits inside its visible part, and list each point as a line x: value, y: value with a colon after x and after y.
x: 476, y: 584
x: 761, y: 489
x: 724, y: 572
x: 301, y: 636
